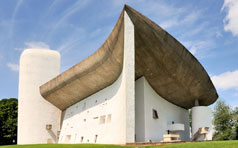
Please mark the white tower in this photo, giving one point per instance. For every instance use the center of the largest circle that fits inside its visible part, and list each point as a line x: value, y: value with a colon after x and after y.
x: 202, y: 119
x: 38, y: 120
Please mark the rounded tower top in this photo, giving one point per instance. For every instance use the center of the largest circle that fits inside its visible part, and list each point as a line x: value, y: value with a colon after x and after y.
x: 40, y: 51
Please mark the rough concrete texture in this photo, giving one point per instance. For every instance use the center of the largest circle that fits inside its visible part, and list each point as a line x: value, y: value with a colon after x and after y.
x: 171, y: 70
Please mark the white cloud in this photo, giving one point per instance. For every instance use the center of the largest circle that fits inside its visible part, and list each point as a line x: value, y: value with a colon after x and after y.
x: 169, y: 23
x: 198, y: 47
x: 191, y: 17
x: 78, y: 5
x: 231, y: 19
x: 218, y: 34
x: 180, y: 20
x: 19, y: 49
x: 11, y: 26
x: 226, y: 80
x: 13, y: 67
x: 235, y: 94
x: 34, y: 44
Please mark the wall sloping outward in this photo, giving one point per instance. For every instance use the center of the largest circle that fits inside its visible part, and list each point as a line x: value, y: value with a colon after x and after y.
x: 107, y: 116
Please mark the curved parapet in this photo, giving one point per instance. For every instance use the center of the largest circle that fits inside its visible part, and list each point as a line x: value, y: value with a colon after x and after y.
x: 172, y: 71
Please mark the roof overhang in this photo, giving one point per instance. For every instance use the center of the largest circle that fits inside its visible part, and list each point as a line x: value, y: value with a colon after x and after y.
x: 172, y: 71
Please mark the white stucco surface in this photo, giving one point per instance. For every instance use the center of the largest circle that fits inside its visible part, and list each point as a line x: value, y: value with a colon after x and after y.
x: 107, y: 116
x: 129, y: 73
x: 202, y: 117
x: 124, y: 112
x: 37, y: 66
x: 177, y: 127
x: 90, y: 117
x: 154, y: 129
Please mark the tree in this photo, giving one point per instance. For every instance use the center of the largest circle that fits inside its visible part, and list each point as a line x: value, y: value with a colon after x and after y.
x: 8, y: 121
x: 223, y: 121
x: 235, y: 121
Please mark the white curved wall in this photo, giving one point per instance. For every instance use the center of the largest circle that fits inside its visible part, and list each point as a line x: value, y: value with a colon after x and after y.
x: 37, y: 66
x: 84, y: 119
x: 110, y: 116
x: 148, y: 128
x: 115, y: 103
x: 202, y: 117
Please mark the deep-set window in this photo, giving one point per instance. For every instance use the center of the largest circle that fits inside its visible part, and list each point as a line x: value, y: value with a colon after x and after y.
x: 109, y: 118
x: 102, y: 119
x: 95, y: 140
x: 155, y: 114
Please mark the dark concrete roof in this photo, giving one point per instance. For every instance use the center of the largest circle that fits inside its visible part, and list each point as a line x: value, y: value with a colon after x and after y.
x: 171, y: 70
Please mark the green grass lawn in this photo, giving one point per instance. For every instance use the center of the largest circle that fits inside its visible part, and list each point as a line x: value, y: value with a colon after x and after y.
x: 65, y: 146
x: 213, y: 144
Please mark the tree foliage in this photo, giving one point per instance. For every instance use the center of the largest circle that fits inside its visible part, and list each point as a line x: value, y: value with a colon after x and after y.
x: 224, y: 118
x: 235, y: 121
x: 8, y: 121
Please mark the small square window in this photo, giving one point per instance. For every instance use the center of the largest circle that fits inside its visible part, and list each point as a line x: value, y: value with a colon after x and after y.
x: 102, y: 119
x: 109, y: 118
x: 155, y: 114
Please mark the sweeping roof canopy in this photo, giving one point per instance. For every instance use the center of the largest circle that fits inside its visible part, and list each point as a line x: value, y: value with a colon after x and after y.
x: 171, y: 70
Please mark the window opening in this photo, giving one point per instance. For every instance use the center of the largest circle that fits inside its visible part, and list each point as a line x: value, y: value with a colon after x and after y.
x: 102, y: 119
x: 109, y: 118
x: 155, y: 114
x: 96, y: 136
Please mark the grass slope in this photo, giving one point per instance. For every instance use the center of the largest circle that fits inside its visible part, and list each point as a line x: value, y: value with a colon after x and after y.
x: 65, y: 146
x: 213, y: 144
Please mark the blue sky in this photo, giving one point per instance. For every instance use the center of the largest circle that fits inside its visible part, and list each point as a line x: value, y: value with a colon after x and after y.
x: 208, y: 29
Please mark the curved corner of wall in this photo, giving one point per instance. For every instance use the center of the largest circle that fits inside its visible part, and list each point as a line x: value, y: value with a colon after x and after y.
x: 37, y: 66
x: 202, y: 117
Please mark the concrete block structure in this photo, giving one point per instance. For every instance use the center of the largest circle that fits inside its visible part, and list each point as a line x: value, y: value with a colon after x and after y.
x: 137, y: 87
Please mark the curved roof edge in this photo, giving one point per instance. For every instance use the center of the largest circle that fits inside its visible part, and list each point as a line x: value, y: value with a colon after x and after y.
x: 172, y: 71
x: 88, y: 76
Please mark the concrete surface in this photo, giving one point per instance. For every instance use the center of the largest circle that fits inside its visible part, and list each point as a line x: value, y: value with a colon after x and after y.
x: 107, y: 116
x: 202, y: 117
x: 148, y: 128
x: 37, y: 66
x: 171, y: 70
